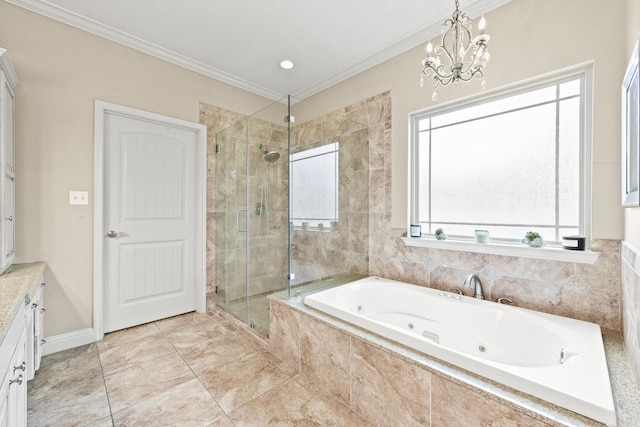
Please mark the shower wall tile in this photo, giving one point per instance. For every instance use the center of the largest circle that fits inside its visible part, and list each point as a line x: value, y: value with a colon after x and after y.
x: 324, y: 357
x: 335, y: 124
x: 376, y: 146
x: 359, y: 150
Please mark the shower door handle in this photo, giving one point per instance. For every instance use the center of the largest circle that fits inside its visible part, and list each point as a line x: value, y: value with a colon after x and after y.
x: 238, y: 220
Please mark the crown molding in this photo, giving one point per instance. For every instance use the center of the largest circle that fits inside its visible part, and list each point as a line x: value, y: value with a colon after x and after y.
x: 70, y: 18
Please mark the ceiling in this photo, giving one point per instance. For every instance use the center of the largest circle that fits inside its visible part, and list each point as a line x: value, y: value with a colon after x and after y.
x: 241, y: 42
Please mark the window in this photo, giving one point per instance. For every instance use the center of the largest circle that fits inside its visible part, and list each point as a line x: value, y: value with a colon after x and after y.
x: 515, y: 161
x: 314, y: 186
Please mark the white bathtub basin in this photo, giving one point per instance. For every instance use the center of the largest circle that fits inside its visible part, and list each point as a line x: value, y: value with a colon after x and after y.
x: 555, y: 358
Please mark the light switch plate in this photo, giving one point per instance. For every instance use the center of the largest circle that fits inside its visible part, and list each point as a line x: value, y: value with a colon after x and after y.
x: 78, y: 197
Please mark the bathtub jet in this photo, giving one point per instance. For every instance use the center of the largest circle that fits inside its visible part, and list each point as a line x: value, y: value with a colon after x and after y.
x: 557, y: 359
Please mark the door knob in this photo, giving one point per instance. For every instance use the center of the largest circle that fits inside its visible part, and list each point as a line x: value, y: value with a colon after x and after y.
x: 112, y: 234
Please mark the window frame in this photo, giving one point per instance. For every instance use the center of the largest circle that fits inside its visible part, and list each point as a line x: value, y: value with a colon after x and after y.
x: 582, y: 71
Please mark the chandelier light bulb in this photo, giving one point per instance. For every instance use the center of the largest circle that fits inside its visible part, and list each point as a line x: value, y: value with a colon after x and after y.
x: 429, y: 48
x: 482, y: 25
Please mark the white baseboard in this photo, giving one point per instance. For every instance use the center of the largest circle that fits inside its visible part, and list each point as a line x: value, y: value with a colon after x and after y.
x: 69, y: 340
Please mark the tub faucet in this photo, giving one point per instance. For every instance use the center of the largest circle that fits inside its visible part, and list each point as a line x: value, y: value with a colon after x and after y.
x: 473, y: 281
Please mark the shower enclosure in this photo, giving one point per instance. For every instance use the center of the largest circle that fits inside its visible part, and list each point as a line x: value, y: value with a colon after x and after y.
x: 290, y: 206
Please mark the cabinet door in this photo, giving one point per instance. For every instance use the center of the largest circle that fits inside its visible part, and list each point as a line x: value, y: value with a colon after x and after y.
x: 38, y: 316
x: 9, y: 220
x: 17, y: 401
x: 8, y: 174
x: 8, y: 128
x: 4, y: 400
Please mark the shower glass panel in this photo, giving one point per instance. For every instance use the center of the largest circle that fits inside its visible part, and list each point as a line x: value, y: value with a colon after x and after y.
x: 230, y: 219
x: 329, y: 200
x: 291, y: 206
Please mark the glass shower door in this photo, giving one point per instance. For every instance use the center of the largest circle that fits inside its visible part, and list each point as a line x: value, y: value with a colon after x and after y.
x: 251, y: 215
x: 267, y: 215
x: 230, y: 220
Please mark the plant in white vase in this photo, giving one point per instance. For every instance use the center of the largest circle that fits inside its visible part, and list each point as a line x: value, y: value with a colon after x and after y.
x: 533, y: 239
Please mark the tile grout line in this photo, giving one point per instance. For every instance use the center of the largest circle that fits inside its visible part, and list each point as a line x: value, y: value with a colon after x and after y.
x: 197, y: 377
x: 104, y: 383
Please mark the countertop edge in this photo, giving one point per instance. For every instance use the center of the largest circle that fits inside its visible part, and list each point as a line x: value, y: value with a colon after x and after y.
x: 17, y: 283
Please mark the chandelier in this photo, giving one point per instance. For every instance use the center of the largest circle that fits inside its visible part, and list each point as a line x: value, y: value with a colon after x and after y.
x: 459, y: 56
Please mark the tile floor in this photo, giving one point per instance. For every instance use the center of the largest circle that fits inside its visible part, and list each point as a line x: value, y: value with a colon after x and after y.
x: 189, y: 370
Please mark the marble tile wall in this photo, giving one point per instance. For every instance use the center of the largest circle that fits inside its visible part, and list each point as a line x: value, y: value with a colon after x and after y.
x: 314, y: 255
x: 582, y: 291
x: 342, y: 249
x: 631, y: 307
x: 216, y: 119
x: 229, y: 179
x: 377, y: 384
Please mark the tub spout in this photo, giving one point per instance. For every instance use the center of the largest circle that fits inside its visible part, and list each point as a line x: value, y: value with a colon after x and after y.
x: 473, y: 281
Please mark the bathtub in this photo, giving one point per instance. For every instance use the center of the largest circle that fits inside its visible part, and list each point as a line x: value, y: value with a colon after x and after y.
x: 557, y: 359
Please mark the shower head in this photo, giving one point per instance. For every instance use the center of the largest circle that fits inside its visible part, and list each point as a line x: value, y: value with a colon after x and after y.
x: 271, y: 156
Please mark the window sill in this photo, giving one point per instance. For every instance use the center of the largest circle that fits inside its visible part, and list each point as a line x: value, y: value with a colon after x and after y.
x: 548, y: 253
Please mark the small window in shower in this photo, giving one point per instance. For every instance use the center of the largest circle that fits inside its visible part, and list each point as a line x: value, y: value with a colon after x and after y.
x: 313, y: 200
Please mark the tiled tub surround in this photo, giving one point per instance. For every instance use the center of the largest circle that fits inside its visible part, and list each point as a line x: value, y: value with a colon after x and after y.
x: 389, y: 384
x: 631, y: 307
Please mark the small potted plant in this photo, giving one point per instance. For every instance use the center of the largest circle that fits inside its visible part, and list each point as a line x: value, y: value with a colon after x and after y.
x: 440, y: 234
x: 533, y: 239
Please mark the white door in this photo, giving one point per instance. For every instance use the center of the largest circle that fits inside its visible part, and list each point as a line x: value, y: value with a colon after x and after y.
x: 150, y: 220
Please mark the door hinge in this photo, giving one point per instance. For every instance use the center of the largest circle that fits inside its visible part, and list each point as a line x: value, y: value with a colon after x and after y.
x: 218, y: 148
x: 216, y: 289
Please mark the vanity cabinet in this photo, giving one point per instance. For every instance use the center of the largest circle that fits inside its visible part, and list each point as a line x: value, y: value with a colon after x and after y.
x: 13, y: 389
x: 8, y: 80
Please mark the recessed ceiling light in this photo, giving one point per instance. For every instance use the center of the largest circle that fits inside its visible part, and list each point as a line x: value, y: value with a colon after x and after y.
x: 286, y: 64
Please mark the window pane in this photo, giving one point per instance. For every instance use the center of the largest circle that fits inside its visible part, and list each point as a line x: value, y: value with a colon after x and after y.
x: 314, y: 185
x: 509, y: 165
x: 424, y: 124
x: 423, y: 177
x: 489, y: 108
x: 499, y: 170
x: 571, y: 88
x: 569, y: 168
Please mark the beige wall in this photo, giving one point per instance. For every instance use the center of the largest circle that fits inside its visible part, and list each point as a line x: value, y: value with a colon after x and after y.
x: 632, y: 215
x: 62, y: 70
